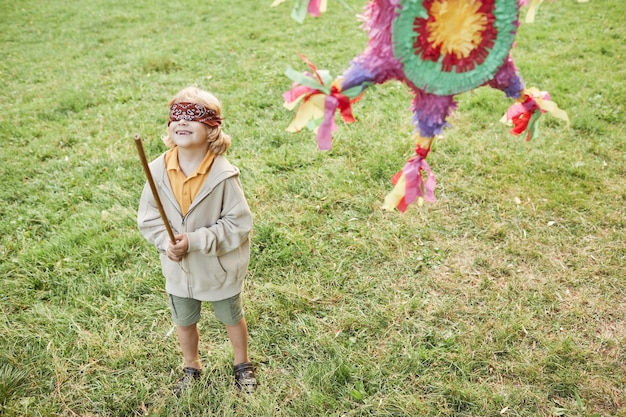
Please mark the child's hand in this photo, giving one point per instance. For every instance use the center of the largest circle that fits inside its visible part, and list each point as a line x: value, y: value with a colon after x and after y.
x: 177, y: 252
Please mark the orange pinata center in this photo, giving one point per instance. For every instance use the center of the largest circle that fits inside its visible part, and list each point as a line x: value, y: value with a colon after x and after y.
x: 457, y: 27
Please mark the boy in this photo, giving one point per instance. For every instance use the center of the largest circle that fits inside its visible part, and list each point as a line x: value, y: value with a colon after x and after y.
x: 203, y: 199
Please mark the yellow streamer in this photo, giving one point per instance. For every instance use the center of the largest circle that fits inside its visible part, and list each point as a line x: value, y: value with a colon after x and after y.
x: 323, y: 5
x: 311, y: 109
x: 396, y: 195
x: 532, y: 10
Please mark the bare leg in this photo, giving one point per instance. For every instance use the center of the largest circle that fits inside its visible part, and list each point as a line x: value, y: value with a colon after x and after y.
x: 238, y: 335
x: 188, y: 337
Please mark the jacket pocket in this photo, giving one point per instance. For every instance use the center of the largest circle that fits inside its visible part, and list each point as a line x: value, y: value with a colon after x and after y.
x: 213, y: 275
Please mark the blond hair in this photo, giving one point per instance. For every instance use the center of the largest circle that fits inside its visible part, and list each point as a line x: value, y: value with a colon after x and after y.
x: 219, y: 141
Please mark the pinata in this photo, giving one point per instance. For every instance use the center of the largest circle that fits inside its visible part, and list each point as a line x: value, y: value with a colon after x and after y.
x: 438, y: 48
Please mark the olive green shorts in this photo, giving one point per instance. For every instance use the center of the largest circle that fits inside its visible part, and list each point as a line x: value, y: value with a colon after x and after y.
x: 186, y: 311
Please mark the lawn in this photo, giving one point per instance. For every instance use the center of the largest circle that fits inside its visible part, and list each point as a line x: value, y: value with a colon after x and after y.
x: 504, y: 297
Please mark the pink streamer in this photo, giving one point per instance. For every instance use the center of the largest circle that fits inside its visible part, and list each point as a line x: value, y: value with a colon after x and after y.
x: 429, y: 184
x: 296, y: 92
x: 415, y: 184
x: 324, y: 132
x: 314, y: 8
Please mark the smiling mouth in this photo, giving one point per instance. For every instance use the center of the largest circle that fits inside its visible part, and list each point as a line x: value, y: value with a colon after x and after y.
x: 183, y: 132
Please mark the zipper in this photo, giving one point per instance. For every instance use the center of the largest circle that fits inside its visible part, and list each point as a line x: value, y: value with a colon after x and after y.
x: 183, y: 219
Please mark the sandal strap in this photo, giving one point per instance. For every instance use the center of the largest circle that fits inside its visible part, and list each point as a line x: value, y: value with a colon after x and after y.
x: 243, y: 367
x: 194, y: 372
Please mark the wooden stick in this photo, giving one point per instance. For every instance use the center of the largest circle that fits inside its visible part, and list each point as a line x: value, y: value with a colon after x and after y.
x: 146, y: 169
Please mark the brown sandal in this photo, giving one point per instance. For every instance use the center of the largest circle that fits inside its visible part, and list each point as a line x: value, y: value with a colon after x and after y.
x: 189, y: 374
x: 245, y: 379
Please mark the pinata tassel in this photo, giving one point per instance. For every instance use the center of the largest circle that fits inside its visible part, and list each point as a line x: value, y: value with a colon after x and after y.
x: 414, y: 182
x: 525, y: 113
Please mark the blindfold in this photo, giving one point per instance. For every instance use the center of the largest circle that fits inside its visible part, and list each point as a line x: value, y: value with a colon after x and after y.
x: 194, y: 113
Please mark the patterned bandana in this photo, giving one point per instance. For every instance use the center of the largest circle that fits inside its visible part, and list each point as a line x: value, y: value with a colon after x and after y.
x: 194, y: 113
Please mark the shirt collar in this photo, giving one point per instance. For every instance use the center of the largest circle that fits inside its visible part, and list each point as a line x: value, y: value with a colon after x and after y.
x: 172, y: 160
x: 206, y: 163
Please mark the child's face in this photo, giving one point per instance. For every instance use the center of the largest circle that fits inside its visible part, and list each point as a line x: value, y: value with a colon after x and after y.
x: 188, y: 134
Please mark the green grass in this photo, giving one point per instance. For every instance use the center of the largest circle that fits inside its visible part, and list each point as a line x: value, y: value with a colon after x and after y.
x: 505, y: 297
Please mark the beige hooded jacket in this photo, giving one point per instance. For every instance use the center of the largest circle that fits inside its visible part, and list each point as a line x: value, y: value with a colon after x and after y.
x: 217, y: 225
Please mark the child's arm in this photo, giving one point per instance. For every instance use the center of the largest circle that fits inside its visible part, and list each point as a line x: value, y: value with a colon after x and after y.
x: 231, y: 230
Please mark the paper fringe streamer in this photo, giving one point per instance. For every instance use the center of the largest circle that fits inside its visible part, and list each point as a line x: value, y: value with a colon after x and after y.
x: 415, y: 181
x: 318, y: 98
x: 532, y: 9
x: 524, y: 115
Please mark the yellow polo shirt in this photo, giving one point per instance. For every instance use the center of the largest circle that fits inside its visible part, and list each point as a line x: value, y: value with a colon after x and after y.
x: 185, y: 188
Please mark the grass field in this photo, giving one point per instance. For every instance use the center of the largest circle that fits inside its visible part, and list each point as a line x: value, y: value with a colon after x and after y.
x: 505, y: 297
